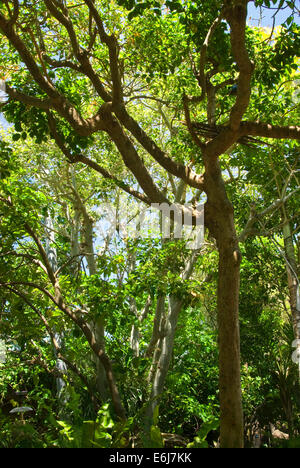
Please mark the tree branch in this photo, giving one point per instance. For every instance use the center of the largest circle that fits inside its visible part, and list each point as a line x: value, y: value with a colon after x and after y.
x: 112, y: 45
x: 92, y: 164
x: 88, y: 333
x: 56, y: 346
x: 269, y: 131
x: 201, y: 76
x: 236, y: 15
x: 81, y: 55
x: 16, y: 95
x: 193, y: 134
x: 178, y: 170
x: 257, y: 217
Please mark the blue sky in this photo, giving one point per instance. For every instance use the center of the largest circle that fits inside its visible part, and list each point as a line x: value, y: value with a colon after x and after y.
x: 3, y: 122
x: 263, y: 16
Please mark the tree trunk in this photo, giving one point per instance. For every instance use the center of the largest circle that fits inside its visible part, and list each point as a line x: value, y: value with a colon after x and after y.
x: 86, y: 248
x: 219, y: 218
x: 52, y: 257
x: 294, y: 289
x: 135, y: 334
x: 229, y: 349
x: 166, y: 349
x: 135, y: 340
x: 98, y: 324
x: 162, y: 342
x: 292, y: 275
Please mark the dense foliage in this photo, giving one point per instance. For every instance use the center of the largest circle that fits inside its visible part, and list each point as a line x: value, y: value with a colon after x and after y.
x: 110, y: 338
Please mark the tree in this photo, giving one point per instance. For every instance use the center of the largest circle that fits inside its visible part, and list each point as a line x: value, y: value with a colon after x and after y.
x: 86, y: 80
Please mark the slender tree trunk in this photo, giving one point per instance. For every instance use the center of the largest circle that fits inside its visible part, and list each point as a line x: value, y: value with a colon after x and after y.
x: 101, y: 380
x: 292, y: 275
x: 135, y: 340
x: 75, y: 249
x: 219, y: 218
x: 86, y: 248
x: 294, y: 289
x: 52, y: 257
x: 98, y: 324
x: 135, y: 334
x: 100, y: 353
x: 158, y: 321
x: 162, y: 343
x: 166, y: 349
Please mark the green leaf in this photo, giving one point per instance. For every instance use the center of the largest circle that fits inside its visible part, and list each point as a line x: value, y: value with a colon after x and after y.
x: 156, y: 437
x: 16, y: 136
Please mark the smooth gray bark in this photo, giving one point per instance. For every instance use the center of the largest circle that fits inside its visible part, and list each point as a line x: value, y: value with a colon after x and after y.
x: 52, y: 257
x: 293, y: 279
x: 294, y: 290
x: 97, y: 325
x: 162, y: 367
x: 164, y: 330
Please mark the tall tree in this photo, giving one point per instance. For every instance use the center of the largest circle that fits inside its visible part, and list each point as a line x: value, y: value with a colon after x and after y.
x: 81, y: 69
